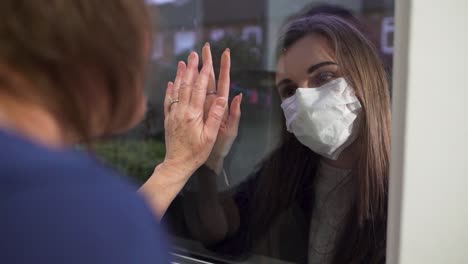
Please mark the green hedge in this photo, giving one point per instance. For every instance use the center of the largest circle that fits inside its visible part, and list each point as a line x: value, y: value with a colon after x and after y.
x: 133, y: 157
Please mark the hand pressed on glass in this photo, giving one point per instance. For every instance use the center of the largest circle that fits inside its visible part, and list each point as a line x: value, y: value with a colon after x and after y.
x: 192, y: 122
x: 230, y: 123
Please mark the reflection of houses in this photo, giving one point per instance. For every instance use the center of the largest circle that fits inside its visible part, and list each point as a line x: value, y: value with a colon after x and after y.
x: 243, y: 18
x: 185, y: 24
x: 378, y: 17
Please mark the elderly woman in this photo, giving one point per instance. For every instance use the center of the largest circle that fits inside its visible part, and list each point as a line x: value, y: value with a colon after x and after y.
x: 72, y: 71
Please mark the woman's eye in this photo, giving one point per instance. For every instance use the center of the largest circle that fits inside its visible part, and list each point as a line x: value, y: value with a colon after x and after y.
x: 288, y: 92
x: 322, y: 78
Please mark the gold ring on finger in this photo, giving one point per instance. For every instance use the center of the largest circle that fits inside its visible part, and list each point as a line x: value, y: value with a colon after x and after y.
x: 173, y: 101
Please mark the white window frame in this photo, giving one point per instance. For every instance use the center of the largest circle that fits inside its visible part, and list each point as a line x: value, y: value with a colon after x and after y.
x: 428, y: 206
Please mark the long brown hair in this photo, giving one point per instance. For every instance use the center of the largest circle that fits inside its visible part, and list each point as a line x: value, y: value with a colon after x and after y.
x: 291, y: 168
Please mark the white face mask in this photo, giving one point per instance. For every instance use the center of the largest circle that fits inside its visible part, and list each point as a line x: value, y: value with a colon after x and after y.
x: 324, y: 118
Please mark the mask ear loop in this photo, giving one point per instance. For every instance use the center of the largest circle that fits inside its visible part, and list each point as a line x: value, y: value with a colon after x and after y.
x: 225, y: 177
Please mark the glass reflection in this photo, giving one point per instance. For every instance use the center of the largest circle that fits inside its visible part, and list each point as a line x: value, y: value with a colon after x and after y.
x: 274, y: 196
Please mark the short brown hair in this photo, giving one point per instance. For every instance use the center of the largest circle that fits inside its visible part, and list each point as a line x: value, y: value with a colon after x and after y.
x: 54, y: 43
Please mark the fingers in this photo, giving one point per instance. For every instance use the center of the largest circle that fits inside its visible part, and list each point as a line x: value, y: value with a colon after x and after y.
x: 181, y: 68
x: 167, y: 105
x: 207, y: 58
x: 235, y: 113
x: 214, y: 119
x: 191, y: 88
x: 188, y: 79
x: 199, y: 88
x: 224, y: 75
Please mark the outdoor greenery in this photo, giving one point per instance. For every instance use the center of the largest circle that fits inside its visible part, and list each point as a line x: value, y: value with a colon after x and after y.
x: 136, y: 158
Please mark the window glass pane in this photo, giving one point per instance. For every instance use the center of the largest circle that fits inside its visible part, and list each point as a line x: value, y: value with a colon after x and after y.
x: 237, y: 226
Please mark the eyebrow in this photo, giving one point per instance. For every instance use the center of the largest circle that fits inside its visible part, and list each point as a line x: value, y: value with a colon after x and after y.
x: 319, y: 65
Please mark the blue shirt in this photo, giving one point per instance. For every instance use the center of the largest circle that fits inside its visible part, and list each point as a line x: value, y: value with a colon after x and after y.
x: 65, y: 207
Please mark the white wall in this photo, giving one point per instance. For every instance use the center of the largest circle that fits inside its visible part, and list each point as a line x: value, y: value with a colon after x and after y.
x: 429, y: 174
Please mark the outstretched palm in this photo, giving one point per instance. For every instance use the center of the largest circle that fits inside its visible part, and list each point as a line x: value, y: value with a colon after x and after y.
x: 230, y: 122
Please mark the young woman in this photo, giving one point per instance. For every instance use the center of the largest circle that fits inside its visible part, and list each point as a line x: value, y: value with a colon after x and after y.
x: 321, y: 197
x: 72, y: 71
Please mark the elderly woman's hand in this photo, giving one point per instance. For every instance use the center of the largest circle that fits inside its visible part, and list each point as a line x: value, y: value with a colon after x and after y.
x: 190, y: 136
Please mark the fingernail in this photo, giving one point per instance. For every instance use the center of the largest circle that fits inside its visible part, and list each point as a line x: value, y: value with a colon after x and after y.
x: 193, y: 55
x: 241, y: 96
x: 207, y: 44
x: 228, y: 50
x: 220, y: 102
